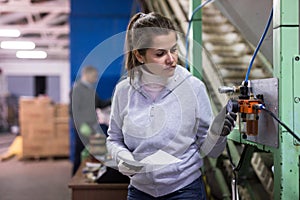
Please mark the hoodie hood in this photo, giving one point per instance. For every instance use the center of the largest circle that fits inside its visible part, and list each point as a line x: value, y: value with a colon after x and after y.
x: 180, y: 75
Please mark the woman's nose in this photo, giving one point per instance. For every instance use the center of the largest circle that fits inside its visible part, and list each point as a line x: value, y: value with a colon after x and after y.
x: 170, y: 57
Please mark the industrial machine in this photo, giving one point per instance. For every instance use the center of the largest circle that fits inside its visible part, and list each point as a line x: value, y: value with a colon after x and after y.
x: 263, y: 130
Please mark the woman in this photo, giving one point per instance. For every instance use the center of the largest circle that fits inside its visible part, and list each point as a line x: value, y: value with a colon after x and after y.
x: 161, y: 116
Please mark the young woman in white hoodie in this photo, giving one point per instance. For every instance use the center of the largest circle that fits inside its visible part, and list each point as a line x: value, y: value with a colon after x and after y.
x: 161, y: 122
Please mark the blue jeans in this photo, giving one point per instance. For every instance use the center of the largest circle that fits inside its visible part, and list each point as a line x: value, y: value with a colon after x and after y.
x: 193, y: 191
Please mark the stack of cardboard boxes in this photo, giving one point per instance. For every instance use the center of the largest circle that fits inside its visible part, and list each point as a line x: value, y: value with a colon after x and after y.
x: 44, y: 127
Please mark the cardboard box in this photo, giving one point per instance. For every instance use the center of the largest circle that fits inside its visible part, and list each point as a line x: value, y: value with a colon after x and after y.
x: 62, y: 110
x: 62, y: 134
x: 35, y: 110
x: 44, y: 127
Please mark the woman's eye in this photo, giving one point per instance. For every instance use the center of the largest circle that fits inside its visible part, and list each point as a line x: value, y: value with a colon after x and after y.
x: 159, y: 54
x: 173, y: 50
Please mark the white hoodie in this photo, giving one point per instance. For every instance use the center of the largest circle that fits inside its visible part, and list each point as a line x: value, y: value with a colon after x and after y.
x: 176, y: 122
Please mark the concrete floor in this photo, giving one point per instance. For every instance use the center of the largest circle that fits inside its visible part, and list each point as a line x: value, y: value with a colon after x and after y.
x: 34, y: 180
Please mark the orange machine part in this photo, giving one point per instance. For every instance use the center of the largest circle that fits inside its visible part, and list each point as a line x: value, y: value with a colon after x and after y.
x: 247, y: 106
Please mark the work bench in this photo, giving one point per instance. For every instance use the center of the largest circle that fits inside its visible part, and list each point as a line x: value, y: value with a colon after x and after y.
x: 82, y: 189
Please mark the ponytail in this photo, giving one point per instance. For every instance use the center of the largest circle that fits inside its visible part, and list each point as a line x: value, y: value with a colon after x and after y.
x: 130, y: 59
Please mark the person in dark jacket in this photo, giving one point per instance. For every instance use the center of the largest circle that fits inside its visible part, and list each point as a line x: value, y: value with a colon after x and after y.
x: 84, y: 101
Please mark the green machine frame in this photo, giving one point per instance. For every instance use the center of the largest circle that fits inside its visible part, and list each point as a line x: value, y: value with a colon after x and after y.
x: 286, y: 68
x: 286, y: 59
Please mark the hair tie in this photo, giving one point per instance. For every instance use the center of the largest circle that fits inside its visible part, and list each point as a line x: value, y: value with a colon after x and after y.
x: 142, y: 15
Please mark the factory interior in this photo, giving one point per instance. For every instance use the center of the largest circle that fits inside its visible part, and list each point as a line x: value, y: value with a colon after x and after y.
x: 246, y: 52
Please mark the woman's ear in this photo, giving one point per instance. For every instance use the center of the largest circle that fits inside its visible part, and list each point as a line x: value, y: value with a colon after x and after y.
x: 138, y: 56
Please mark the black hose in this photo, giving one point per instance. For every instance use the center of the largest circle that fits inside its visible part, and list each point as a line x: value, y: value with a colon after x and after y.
x: 281, y: 123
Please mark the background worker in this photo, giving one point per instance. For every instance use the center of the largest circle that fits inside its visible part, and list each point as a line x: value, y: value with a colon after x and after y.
x: 83, y: 104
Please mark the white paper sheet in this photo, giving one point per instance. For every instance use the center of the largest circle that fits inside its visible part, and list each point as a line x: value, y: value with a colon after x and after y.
x: 160, y: 158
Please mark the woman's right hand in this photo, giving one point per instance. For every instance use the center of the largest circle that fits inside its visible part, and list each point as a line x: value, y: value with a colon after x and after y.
x: 127, y: 165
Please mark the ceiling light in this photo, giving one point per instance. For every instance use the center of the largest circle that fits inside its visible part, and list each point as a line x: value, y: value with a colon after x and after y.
x: 17, y: 45
x: 31, y: 54
x: 9, y: 33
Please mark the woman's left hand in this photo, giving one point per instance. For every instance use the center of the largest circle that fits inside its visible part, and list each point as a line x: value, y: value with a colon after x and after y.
x: 229, y: 123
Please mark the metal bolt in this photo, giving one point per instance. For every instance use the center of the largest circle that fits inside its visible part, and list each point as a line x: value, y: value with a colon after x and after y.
x: 297, y: 58
x: 297, y: 99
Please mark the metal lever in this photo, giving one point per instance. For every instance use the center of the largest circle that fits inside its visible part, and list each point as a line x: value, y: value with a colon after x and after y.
x: 226, y: 89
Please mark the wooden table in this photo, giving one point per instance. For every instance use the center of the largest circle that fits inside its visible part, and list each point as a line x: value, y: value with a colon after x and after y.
x: 82, y: 189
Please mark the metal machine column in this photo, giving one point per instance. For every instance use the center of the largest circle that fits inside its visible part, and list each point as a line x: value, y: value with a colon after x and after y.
x: 196, y: 65
x: 286, y: 68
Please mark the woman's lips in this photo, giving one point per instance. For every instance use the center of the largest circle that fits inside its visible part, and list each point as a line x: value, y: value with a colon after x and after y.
x: 170, y: 67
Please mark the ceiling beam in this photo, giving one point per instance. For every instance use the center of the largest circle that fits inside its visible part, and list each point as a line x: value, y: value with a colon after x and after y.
x: 44, y: 7
x: 62, y: 29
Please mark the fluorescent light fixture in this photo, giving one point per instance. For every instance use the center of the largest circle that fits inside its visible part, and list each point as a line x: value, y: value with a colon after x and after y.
x: 31, y: 54
x: 17, y: 45
x: 9, y: 33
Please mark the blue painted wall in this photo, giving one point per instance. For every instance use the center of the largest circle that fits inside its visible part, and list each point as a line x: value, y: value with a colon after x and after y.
x: 91, y: 23
x: 94, y: 25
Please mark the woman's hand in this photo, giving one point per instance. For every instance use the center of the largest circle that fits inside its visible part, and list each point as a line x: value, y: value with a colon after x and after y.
x: 229, y: 123
x: 127, y: 164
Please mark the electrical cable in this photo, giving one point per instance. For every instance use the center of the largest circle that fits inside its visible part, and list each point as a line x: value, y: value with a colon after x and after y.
x: 259, y: 44
x: 233, y: 170
x: 234, y: 167
x: 280, y: 122
x: 189, y: 27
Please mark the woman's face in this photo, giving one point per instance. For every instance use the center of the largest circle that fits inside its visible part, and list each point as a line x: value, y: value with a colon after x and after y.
x: 161, y: 58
